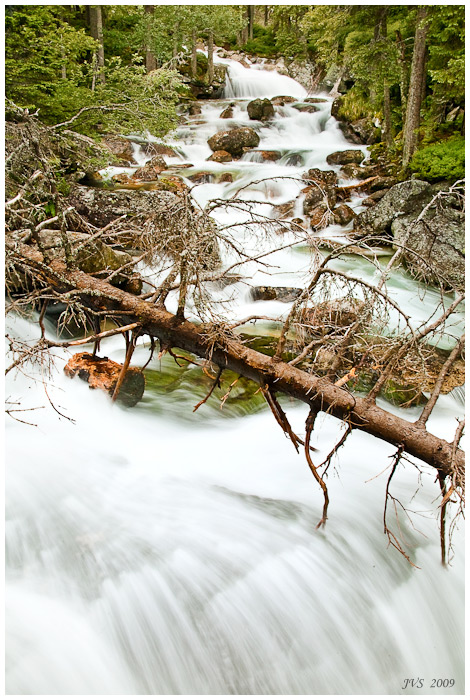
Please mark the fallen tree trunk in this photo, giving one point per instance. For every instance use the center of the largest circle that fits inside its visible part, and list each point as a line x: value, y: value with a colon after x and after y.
x: 279, y: 377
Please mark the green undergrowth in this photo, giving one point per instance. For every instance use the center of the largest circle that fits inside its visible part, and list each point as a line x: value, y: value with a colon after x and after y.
x: 440, y: 161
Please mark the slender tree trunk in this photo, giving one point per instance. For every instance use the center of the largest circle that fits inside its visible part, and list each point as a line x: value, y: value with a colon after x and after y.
x: 245, y: 30
x: 210, y: 57
x: 96, y: 30
x: 266, y: 15
x: 415, y: 95
x: 193, y: 53
x: 176, y: 31
x: 150, y: 61
x: 251, y: 20
x: 403, y: 76
x: 387, y: 115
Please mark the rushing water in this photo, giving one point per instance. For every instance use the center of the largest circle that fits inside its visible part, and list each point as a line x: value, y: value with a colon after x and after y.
x: 150, y: 551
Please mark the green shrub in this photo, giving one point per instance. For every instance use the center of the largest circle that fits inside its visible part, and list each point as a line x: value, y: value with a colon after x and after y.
x: 440, y: 161
x: 355, y: 105
x: 263, y: 43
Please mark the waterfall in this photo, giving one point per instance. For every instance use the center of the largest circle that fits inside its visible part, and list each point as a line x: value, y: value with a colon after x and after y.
x: 156, y: 551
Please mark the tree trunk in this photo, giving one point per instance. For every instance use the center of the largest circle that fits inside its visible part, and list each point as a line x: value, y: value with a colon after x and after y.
x: 318, y: 392
x: 403, y: 76
x: 251, y: 19
x: 96, y: 30
x: 150, y: 61
x: 193, y: 53
x: 387, y: 115
x: 266, y: 15
x: 415, y: 95
x: 210, y: 57
x: 176, y: 30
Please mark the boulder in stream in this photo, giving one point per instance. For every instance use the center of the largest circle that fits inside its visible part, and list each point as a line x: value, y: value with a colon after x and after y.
x: 260, y: 110
x: 282, y: 100
x: 227, y: 113
x: 234, y: 140
x: 120, y: 147
x: 220, y: 157
x: 103, y: 373
x: 344, y: 157
x: 343, y: 215
x: 435, y: 240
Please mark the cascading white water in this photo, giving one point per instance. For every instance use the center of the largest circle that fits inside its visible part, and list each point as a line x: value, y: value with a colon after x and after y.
x: 153, y: 551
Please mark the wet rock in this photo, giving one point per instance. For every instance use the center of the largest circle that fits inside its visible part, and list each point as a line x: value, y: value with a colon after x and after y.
x: 158, y: 149
x: 234, y: 140
x: 285, y: 294
x: 309, y: 108
x: 318, y: 194
x: 373, y: 198
x: 260, y: 110
x: 150, y: 171
x: 227, y: 113
x: 282, y: 100
x: 322, y: 177
x: 120, y: 147
x: 359, y: 172
x: 90, y: 255
x: 382, y: 183
x: 122, y: 179
x: 344, y: 157
x: 283, y: 211
x: 194, y: 109
x: 226, y: 177
x: 220, y: 157
x: 436, y: 245
x: 202, y: 178
x: 361, y: 131
x: 270, y: 155
x: 402, y: 199
x: 103, y: 373
x: 320, y: 217
x: 343, y: 214
x: 315, y: 100
x: 100, y: 207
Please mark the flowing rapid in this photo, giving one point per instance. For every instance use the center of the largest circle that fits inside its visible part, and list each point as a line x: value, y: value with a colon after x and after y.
x: 156, y: 551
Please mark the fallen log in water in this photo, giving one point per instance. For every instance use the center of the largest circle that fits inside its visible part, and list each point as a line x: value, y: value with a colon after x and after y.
x: 103, y: 373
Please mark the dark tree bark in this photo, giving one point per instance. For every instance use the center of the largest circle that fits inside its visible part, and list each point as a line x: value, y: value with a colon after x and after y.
x: 415, y: 95
x: 150, y: 60
x: 96, y: 31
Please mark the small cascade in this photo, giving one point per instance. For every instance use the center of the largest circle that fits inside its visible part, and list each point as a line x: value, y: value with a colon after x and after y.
x: 253, y: 82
